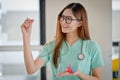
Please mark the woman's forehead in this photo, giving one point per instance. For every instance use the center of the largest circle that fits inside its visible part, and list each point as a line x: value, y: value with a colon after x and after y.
x: 68, y: 12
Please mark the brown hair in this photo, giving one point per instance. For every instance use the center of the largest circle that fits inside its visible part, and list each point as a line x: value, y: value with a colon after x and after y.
x: 80, y: 13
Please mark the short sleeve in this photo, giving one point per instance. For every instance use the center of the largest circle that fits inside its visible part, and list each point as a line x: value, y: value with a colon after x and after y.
x: 46, y: 51
x: 96, y: 56
x: 44, y: 54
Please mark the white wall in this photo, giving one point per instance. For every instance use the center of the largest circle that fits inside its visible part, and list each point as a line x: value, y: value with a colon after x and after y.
x: 116, y: 25
x: 100, y: 23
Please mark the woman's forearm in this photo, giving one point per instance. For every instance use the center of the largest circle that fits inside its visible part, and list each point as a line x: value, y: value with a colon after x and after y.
x: 88, y: 77
x: 28, y: 58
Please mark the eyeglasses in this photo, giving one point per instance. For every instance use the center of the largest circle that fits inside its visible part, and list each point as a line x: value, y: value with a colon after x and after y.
x: 68, y: 19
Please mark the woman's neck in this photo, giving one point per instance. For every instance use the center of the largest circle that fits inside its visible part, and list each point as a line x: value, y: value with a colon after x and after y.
x: 71, y: 38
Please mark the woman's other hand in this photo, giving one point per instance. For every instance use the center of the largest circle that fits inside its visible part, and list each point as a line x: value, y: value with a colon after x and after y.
x: 65, y: 73
x: 26, y: 27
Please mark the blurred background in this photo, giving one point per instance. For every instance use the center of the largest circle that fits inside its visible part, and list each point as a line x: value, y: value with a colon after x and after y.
x: 104, y: 25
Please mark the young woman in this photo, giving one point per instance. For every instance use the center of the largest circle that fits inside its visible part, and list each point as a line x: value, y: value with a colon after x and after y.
x: 72, y: 55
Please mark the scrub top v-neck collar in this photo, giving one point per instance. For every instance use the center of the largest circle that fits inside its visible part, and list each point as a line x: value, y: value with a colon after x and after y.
x: 75, y: 45
x: 75, y: 48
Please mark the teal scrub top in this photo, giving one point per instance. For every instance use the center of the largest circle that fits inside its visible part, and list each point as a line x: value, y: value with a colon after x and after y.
x: 69, y: 56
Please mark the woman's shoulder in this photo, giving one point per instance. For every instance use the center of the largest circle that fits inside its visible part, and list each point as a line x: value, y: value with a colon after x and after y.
x: 50, y: 45
x: 93, y: 47
x: 91, y: 43
x: 51, y: 42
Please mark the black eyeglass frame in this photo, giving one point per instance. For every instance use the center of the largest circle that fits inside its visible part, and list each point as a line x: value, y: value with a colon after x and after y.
x: 62, y: 18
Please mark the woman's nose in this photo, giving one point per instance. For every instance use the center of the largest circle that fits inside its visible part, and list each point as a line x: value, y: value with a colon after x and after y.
x: 63, y: 22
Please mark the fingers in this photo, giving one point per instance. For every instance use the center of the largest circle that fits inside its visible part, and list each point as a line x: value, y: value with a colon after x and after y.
x: 64, y: 74
x: 76, y: 73
x: 27, y: 23
x: 61, y: 73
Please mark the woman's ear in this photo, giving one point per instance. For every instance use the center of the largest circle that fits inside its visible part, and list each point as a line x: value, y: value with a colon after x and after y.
x: 80, y: 23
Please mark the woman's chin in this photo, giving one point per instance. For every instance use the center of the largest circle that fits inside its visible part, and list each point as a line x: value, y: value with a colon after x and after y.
x: 64, y: 32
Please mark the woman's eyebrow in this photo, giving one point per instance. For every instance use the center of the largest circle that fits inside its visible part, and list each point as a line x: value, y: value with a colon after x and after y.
x: 66, y: 15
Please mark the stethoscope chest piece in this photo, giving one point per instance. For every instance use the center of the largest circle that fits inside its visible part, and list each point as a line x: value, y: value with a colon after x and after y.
x: 81, y: 56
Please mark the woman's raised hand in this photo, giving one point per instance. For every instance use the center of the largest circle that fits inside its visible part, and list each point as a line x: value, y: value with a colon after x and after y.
x: 26, y: 27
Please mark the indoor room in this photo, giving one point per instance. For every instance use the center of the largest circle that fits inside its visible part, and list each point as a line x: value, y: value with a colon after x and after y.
x: 103, y: 23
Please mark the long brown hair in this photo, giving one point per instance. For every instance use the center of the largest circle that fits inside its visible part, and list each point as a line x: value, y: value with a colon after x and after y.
x: 80, y: 13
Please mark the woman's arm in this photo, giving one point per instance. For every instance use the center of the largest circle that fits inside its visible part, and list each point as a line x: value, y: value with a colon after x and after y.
x: 96, y: 74
x: 31, y: 65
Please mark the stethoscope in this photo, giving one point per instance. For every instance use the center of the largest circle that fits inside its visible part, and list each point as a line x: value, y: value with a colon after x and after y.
x: 81, y: 55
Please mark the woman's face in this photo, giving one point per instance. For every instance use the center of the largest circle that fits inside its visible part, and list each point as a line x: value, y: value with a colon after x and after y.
x: 69, y: 22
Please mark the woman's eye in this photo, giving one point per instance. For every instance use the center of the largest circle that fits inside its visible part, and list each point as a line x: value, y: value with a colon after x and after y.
x: 68, y: 18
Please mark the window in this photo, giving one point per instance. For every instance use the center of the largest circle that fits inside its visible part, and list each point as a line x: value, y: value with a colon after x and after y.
x: 12, y: 15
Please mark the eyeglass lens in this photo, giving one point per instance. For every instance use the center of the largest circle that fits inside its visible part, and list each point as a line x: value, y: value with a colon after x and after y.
x: 68, y: 19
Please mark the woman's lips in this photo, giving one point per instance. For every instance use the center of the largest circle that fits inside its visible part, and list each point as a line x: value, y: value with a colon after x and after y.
x: 65, y: 27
